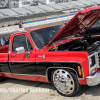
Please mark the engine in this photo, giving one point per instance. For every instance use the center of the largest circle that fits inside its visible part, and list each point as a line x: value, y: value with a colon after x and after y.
x: 86, y: 44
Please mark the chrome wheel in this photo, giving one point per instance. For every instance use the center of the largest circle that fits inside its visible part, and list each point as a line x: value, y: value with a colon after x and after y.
x: 63, y: 81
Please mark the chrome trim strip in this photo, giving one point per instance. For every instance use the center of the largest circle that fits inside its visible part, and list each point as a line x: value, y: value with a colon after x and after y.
x: 29, y: 74
x: 23, y: 74
x: 5, y: 72
x: 97, y: 62
x: 61, y: 61
x: 49, y: 61
x: 4, y: 61
x: 22, y: 61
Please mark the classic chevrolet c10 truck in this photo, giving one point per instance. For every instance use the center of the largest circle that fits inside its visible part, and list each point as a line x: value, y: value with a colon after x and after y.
x: 67, y: 56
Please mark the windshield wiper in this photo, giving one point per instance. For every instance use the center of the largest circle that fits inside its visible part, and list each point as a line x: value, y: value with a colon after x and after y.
x: 46, y: 43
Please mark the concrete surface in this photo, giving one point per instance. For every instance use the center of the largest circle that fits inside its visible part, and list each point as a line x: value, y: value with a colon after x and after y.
x: 86, y: 93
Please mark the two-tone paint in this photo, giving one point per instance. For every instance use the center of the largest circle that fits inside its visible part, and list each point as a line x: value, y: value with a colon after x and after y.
x: 41, y: 63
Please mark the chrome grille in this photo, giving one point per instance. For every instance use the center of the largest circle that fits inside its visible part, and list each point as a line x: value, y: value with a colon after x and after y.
x: 93, y: 60
x: 99, y: 58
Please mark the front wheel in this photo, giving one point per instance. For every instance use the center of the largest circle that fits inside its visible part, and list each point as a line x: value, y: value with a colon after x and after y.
x: 65, y: 82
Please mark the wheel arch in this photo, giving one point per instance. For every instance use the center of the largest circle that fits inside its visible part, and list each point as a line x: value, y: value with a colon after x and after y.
x: 50, y: 69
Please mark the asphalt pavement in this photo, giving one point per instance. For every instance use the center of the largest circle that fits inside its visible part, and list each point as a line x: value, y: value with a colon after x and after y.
x: 86, y: 93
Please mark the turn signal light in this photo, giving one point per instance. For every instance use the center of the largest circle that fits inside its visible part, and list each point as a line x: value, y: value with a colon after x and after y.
x: 79, y: 70
x: 29, y: 30
x: 41, y: 26
x: 44, y: 26
x: 56, y: 24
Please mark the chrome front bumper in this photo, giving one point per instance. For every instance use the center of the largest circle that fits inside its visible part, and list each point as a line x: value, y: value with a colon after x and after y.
x: 93, y: 80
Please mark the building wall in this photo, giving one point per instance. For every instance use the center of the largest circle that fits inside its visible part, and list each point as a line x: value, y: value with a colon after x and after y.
x: 50, y: 1
x: 17, y: 3
x: 56, y: 1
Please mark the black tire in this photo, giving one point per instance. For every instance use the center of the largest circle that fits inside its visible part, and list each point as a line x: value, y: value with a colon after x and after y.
x: 2, y: 78
x: 77, y: 86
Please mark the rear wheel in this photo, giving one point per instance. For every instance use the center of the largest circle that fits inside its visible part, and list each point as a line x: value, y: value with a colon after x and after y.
x: 65, y: 82
x: 1, y: 78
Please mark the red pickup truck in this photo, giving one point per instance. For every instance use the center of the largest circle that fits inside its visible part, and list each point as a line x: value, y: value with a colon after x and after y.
x: 67, y: 56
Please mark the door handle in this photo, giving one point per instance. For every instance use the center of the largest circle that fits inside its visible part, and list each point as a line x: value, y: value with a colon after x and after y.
x: 13, y: 55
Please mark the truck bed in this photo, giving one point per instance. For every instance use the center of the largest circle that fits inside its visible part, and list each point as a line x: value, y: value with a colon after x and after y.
x: 4, y: 49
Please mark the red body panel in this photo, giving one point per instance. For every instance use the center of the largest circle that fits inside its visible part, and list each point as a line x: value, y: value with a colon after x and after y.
x: 4, y: 57
x: 7, y: 75
x: 26, y: 77
x: 4, y: 49
x: 31, y: 78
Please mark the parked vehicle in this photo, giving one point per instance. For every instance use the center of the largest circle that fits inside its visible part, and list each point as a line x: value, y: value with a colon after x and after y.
x: 68, y: 57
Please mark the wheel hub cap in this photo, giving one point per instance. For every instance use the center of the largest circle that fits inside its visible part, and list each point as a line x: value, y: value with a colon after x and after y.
x: 63, y: 81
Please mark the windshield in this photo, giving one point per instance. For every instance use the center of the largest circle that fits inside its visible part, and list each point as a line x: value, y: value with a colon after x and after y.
x: 43, y: 36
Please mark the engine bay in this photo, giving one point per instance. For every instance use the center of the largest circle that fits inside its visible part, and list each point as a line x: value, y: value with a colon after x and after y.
x: 86, y: 44
x: 79, y: 44
x: 89, y: 41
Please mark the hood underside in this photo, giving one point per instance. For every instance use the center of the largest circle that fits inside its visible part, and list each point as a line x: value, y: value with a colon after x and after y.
x: 81, y: 22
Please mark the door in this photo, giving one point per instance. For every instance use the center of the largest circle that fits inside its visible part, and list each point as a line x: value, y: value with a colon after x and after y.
x: 21, y: 65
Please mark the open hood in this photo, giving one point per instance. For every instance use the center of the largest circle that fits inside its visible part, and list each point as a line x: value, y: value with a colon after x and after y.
x: 82, y: 21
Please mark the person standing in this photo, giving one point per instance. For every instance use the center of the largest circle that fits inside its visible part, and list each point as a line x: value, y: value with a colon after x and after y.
x: 20, y: 24
x: 2, y: 42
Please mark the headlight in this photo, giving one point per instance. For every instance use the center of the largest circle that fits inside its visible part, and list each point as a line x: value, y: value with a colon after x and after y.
x: 90, y: 62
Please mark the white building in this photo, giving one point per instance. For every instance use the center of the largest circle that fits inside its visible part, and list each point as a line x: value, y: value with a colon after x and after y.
x: 50, y: 1
x: 56, y: 1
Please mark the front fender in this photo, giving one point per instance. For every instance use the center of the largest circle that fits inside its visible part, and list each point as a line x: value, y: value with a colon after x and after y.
x: 66, y: 57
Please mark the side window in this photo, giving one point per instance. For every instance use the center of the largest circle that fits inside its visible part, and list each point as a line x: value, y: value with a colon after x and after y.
x: 21, y: 41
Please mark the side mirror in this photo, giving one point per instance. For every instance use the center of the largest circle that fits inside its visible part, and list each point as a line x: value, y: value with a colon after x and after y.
x: 28, y: 54
x: 20, y: 50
